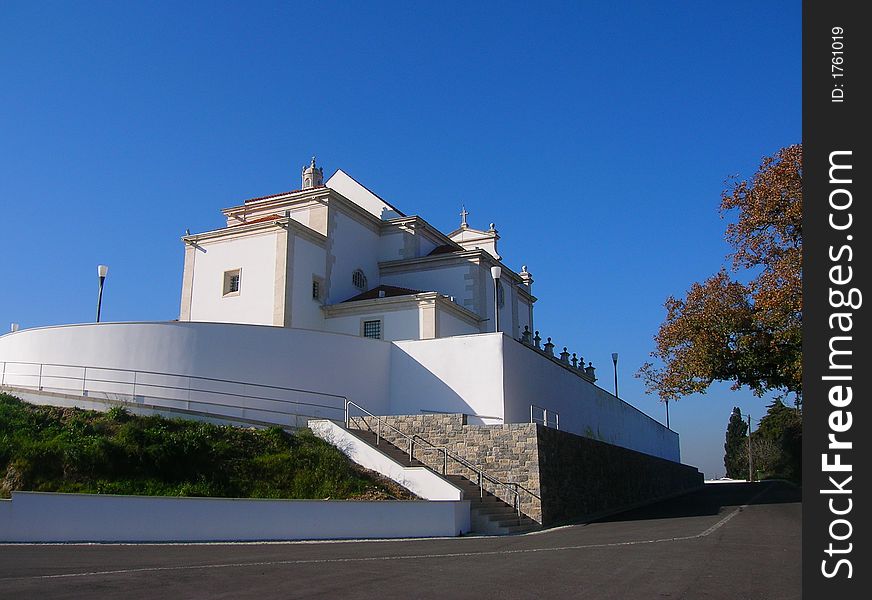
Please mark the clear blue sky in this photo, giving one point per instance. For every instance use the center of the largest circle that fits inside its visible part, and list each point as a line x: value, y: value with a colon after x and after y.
x: 597, y: 136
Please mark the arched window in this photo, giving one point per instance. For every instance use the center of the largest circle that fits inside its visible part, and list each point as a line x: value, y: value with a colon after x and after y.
x: 358, y: 279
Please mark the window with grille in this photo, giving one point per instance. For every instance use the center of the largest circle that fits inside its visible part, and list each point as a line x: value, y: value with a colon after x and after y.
x: 372, y: 329
x: 231, y: 282
x: 358, y: 279
x: 316, y: 289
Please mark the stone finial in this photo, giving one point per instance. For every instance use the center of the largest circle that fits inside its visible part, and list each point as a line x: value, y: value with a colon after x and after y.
x: 591, y: 371
x: 574, y: 361
x: 526, y: 277
x: 549, y: 348
x: 537, y: 341
x: 564, y: 356
x: 492, y: 228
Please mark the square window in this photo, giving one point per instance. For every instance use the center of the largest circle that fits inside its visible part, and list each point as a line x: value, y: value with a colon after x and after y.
x: 231, y: 282
x: 372, y: 329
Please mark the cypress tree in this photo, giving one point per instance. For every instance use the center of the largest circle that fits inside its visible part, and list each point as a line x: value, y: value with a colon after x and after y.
x: 735, y: 456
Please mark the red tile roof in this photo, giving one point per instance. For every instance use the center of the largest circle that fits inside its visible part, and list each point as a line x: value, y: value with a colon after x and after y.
x: 258, y: 220
x: 281, y: 194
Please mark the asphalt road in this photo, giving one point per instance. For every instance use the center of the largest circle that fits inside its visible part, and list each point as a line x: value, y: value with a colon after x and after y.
x: 730, y: 541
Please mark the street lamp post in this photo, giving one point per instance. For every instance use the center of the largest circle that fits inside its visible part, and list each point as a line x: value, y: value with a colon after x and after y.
x: 495, y: 273
x: 615, y: 361
x: 102, y: 270
x: 667, y: 414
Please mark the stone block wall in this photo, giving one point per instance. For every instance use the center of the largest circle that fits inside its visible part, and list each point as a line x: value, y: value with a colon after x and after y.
x: 563, y: 477
x: 508, y: 453
x: 581, y: 477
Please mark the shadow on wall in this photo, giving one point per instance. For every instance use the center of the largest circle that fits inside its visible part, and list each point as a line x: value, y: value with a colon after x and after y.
x: 416, y: 389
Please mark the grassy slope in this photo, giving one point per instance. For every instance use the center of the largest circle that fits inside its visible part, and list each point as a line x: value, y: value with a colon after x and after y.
x: 72, y: 450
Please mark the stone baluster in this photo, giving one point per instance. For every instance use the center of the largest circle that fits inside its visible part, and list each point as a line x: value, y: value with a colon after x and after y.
x: 549, y: 348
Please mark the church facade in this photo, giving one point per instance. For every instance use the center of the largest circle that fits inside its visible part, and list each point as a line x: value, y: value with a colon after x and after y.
x: 333, y: 256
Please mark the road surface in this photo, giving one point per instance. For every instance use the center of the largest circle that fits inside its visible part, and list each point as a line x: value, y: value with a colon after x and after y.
x: 727, y: 541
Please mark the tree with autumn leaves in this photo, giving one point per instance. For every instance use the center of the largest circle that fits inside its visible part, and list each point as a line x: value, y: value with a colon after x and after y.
x: 744, y: 324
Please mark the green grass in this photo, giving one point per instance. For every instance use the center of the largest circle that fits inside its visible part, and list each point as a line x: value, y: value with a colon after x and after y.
x: 54, y: 449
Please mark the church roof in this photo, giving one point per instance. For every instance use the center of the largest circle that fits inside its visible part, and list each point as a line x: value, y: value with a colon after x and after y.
x: 264, y: 219
x: 281, y: 194
x: 444, y: 249
x: 389, y: 291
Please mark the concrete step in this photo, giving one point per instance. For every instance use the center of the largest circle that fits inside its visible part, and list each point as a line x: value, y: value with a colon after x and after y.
x: 497, y: 510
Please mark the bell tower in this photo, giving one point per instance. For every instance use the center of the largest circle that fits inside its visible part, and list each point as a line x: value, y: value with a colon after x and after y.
x: 312, y: 176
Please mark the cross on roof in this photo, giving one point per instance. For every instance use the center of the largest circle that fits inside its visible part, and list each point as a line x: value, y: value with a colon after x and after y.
x: 463, y: 215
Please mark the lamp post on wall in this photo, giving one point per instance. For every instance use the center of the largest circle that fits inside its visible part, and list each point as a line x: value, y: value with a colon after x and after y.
x: 615, y: 361
x: 667, y: 413
x: 102, y: 270
x: 495, y: 273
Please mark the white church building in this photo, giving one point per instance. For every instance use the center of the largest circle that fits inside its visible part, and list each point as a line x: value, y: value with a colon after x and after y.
x: 303, y: 300
x: 335, y: 257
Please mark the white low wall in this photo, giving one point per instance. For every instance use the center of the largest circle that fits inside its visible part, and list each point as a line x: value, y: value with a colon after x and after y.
x: 496, y: 379
x: 584, y: 408
x: 421, y: 481
x: 48, y: 517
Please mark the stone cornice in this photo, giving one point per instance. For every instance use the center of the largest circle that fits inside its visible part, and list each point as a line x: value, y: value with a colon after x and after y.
x: 284, y: 201
x: 476, y: 256
x: 393, y: 303
x: 415, y: 221
x: 238, y: 231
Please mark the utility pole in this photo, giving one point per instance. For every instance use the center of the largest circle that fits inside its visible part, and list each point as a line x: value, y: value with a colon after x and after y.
x: 750, y: 459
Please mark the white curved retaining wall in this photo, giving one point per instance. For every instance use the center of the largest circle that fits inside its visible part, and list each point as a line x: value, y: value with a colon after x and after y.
x: 491, y: 377
x: 49, y: 517
x: 421, y: 481
x: 267, y: 356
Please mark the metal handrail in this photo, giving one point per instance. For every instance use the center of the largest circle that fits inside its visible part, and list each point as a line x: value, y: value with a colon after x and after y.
x: 85, y: 379
x: 544, y: 419
x: 263, y: 385
x: 512, y: 487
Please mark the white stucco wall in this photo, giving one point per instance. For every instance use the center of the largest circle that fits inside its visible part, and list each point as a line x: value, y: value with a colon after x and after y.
x: 447, y: 279
x: 255, y: 255
x: 396, y: 324
x: 449, y: 324
x: 391, y: 245
x: 310, y: 260
x: 357, y: 193
x: 453, y: 375
x: 47, y: 517
x: 309, y: 360
x: 584, y: 408
x: 352, y: 246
